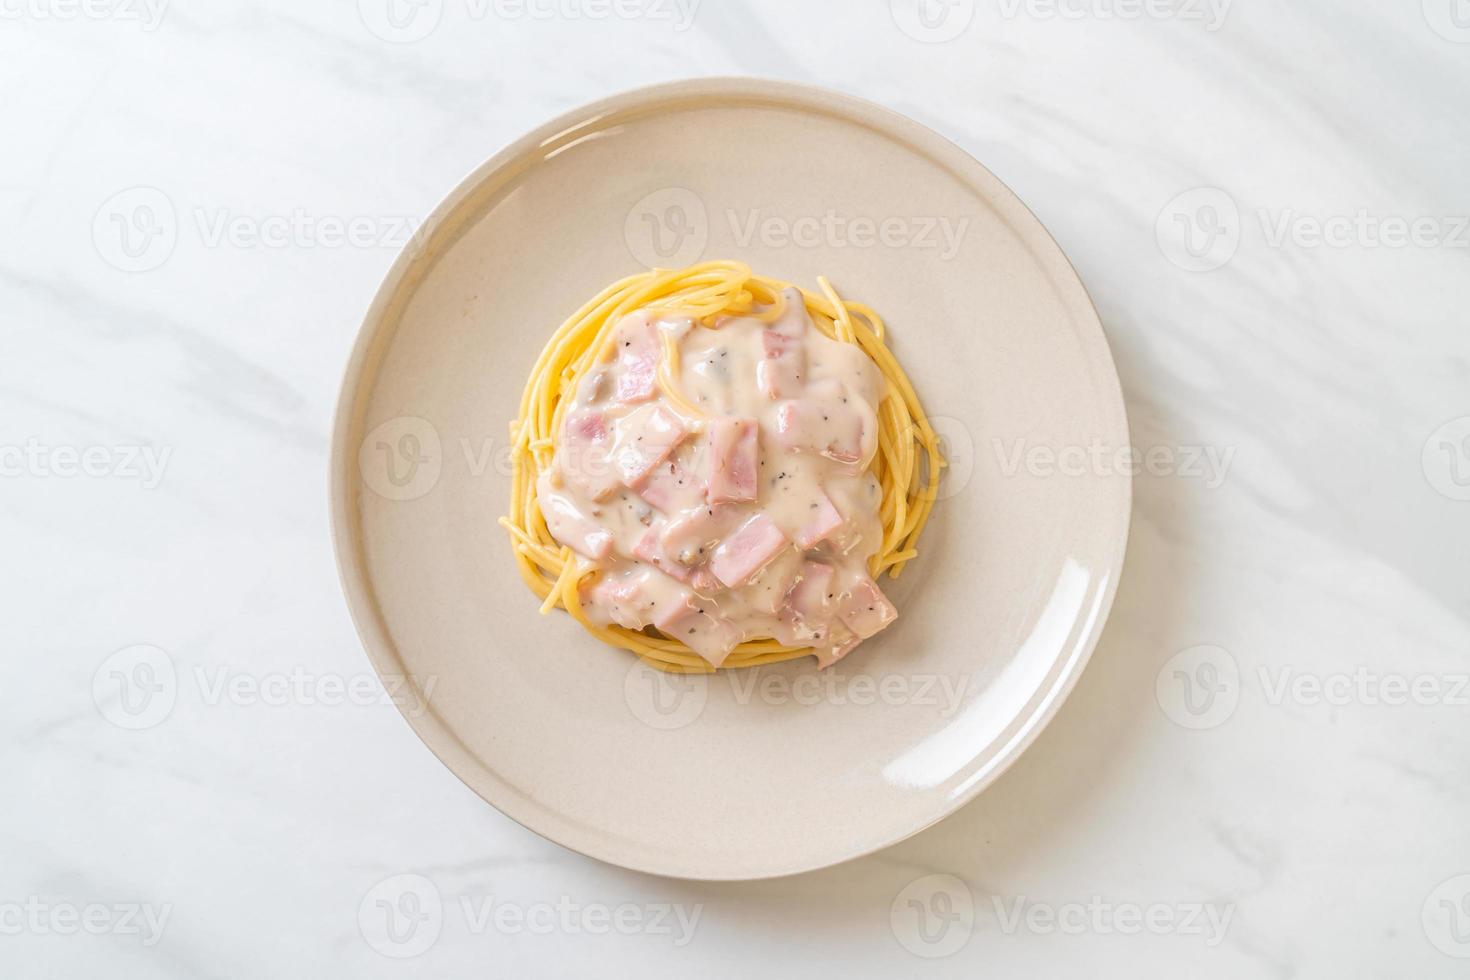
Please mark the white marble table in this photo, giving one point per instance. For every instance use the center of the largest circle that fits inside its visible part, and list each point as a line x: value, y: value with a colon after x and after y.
x: 1263, y: 771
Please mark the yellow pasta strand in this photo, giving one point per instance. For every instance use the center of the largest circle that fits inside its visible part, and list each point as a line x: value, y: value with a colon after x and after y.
x: 907, y: 465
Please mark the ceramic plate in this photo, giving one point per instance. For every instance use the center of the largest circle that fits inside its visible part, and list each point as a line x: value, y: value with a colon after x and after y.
x: 747, y: 774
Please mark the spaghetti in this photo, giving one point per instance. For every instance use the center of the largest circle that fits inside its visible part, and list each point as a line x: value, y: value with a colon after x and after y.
x: 907, y: 464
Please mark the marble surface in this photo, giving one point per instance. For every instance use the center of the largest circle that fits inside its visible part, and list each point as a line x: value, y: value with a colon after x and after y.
x: 1262, y: 772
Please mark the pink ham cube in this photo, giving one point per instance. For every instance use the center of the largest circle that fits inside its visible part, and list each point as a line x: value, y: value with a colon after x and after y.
x: 783, y: 359
x: 767, y: 591
x: 645, y: 438
x: 821, y: 520
x: 600, y: 600
x: 804, y: 617
x: 582, y: 458
x: 670, y: 487
x: 650, y: 550
x: 587, y: 427
x: 625, y: 599
x: 691, y: 538
x: 698, y: 626
x: 783, y: 350
x: 811, y: 598
x: 705, y: 582
x: 747, y: 551
x: 865, y: 609
x: 637, y: 344
x: 807, y: 425
x: 734, y: 452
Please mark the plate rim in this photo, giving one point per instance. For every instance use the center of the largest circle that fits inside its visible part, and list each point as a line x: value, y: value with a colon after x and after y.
x: 439, y: 737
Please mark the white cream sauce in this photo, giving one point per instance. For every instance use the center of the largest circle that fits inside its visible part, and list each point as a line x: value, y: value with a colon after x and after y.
x: 754, y: 517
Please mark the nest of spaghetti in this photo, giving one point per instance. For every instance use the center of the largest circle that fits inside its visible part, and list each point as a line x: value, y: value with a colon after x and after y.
x: 907, y: 463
